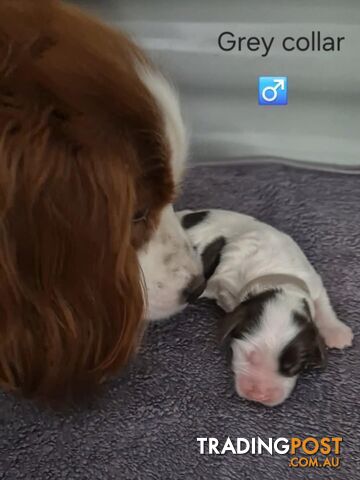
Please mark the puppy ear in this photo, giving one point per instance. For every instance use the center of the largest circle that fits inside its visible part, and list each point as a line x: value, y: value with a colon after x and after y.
x: 211, y: 256
x: 232, y: 321
x: 247, y: 316
x: 306, y: 350
x: 318, y: 353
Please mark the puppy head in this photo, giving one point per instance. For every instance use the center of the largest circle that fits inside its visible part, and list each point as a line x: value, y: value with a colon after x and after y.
x: 85, y: 172
x: 273, y: 339
x: 171, y: 268
x: 174, y: 273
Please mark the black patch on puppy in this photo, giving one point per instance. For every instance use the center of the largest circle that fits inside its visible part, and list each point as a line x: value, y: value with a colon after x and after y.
x: 191, y: 219
x: 306, y: 350
x: 211, y: 256
x: 246, y: 316
x: 307, y: 309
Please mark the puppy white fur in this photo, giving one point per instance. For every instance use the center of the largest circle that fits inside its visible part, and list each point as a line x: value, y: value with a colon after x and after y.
x: 263, y: 273
x: 168, y: 263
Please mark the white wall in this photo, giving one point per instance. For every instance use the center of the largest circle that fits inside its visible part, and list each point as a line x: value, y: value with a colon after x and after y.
x: 219, y: 89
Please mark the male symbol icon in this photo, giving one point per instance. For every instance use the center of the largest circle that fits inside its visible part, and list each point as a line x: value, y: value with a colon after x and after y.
x: 272, y: 91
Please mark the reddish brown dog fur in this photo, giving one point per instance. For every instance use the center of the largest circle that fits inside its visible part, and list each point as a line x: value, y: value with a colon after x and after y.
x: 81, y: 151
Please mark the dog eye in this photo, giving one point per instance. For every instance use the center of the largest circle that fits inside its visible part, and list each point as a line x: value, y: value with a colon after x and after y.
x: 140, y: 216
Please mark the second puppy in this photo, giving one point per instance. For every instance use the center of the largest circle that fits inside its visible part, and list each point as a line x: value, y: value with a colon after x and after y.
x: 279, y: 316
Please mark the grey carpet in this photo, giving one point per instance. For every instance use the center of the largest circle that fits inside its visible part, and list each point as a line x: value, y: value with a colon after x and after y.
x: 145, y: 424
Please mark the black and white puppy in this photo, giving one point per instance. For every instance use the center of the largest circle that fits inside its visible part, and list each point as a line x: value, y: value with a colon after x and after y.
x: 280, y: 311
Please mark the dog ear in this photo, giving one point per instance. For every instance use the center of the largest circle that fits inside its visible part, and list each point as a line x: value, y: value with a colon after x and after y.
x: 233, y: 321
x: 71, y: 299
x: 211, y: 256
x: 82, y: 149
x: 318, y: 353
x: 315, y: 344
x: 246, y: 316
x: 306, y: 350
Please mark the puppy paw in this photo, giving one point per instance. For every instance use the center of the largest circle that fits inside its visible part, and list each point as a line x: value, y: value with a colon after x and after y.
x: 337, y: 336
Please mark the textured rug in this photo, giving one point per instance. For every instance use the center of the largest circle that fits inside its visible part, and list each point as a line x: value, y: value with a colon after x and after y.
x: 145, y: 424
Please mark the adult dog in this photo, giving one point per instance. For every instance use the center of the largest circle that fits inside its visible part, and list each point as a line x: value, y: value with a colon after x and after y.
x: 92, y: 148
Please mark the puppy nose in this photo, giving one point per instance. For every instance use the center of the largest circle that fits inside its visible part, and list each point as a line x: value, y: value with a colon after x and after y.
x: 263, y: 395
x: 194, y: 289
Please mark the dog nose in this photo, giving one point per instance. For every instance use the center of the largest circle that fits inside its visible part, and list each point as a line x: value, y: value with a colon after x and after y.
x: 194, y: 289
x: 263, y: 395
x: 260, y: 393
